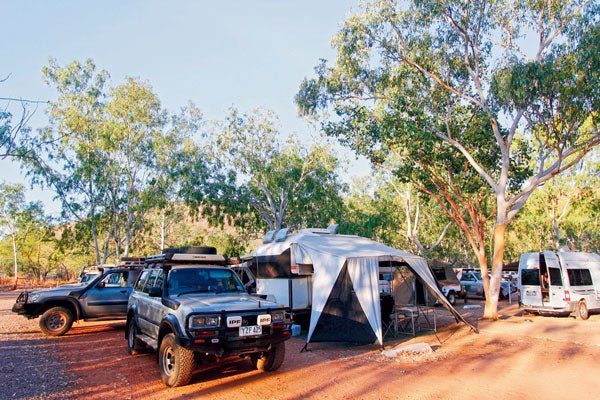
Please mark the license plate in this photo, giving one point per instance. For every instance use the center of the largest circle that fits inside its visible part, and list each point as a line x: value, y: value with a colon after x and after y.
x: 530, y: 293
x: 250, y: 330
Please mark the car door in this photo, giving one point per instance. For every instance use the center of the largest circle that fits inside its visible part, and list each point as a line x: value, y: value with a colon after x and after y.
x: 144, y: 311
x: 155, y: 307
x: 478, y: 285
x: 470, y: 283
x: 108, y: 297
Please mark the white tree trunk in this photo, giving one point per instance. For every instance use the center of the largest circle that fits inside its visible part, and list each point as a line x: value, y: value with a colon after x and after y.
x: 14, y: 246
x: 162, y: 229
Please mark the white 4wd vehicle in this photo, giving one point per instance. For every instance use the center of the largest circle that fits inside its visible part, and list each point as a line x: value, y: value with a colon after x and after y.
x: 190, y: 307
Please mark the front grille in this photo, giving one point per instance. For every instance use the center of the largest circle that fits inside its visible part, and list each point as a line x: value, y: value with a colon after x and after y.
x: 249, y: 320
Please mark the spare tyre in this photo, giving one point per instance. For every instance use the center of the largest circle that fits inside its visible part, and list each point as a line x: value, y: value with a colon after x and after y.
x: 190, y: 250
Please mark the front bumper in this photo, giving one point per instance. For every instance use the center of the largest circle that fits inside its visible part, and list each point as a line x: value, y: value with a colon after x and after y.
x: 22, y: 307
x: 226, y: 342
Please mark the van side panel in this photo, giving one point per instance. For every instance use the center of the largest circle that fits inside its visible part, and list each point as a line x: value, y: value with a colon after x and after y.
x: 576, y: 266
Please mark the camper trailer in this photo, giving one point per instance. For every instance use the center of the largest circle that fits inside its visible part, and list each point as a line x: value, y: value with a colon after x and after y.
x: 270, y: 272
x: 560, y: 282
x: 342, y: 286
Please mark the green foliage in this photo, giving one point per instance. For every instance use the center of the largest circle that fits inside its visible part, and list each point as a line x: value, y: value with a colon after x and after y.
x: 278, y: 183
x: 441, y: 93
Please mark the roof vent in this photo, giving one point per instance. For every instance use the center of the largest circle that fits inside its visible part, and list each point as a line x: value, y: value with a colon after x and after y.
x: 281, y: 234
x: 269, y: 236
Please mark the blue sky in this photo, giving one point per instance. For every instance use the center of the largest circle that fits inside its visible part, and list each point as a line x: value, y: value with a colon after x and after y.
x: 217, y: 54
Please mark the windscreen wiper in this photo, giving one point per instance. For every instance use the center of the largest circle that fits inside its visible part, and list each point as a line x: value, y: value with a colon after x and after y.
x: 192, y: 291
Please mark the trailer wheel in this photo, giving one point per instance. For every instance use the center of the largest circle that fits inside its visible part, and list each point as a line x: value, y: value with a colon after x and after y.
x: 582, y: 310
x: 270, y: 360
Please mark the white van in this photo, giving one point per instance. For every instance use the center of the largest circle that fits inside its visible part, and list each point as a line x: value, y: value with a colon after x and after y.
x: 560, y: 282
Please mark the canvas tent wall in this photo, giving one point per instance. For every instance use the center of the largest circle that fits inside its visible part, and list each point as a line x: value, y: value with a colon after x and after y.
x: 345, y: 293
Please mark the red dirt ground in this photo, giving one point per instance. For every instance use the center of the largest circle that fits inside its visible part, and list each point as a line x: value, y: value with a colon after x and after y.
x: 517, y: 357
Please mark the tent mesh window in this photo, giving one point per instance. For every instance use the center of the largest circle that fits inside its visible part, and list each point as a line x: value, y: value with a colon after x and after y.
x: 343, y: 319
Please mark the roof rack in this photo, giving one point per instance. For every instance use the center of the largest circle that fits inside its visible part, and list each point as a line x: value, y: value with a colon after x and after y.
x: 131, y: 262
x: 188, y: 254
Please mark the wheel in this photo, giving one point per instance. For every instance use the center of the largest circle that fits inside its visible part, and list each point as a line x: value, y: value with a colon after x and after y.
x: 56, y: 321
x: 176, y: 363
x: 582, y: 310
x: 270, y: 360
x: 452, y: 298
x: 134, y: 345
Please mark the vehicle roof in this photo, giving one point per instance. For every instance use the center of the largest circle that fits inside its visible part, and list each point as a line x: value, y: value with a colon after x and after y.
x: 185, y: 265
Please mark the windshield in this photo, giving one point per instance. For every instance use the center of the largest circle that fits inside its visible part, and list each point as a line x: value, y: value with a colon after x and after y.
x: 203, y: 280
x: 87, y: 278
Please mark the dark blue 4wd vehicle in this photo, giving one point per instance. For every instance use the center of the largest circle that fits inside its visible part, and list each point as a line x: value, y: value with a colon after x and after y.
x: 103, y: 298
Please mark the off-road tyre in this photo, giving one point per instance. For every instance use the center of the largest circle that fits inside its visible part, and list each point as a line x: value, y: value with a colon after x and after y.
x: 451, y: 298
x: 270, y: 360
x: 582, y: 310
x: 56, y: 321
x: 176, y: 363
x: 134, y: 345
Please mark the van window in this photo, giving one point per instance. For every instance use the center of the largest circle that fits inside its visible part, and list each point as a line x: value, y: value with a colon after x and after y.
x: 555, y: 278
x: 530, y: 277
x: 580, y: 277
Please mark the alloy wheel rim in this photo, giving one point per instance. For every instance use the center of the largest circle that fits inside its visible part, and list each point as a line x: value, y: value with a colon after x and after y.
x: 56, y: 321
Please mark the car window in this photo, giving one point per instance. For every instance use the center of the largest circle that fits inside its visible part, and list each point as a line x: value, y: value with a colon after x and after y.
x: 159, y: 279
x: 203, y: 280
x: 439, y: 274
x: 150, y: 280
x: 469, y: 278
x: 133, y: 275
x: 140, y: 283
x: 116, y: 279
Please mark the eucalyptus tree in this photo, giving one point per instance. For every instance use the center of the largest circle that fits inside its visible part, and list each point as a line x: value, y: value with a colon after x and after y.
x: 285, y: 183
x: 70, y: 159
x: 135, y: 141
x: 503, y: 85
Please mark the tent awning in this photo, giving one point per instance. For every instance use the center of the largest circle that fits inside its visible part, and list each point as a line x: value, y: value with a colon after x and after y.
x: 330, y: 253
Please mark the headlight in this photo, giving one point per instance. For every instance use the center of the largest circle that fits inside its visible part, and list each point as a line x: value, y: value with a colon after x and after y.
x: 205, y: 321
x: 34, y: 297
x: 278, y: 315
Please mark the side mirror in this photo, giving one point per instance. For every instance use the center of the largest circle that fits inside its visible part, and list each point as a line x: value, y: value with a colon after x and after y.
x: 155, y: 291
x: 101, y: 285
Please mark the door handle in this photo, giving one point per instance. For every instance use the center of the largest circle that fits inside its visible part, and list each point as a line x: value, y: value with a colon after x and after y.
x: 123, y: 291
